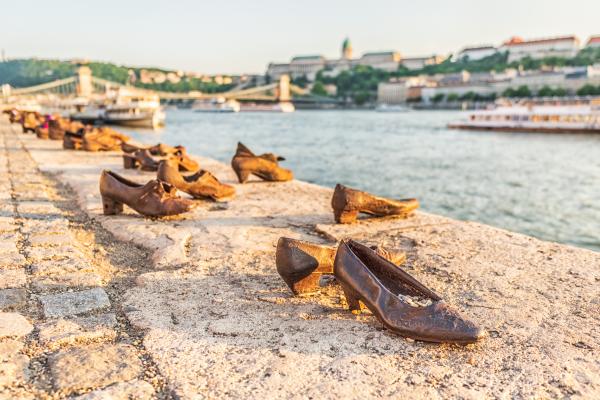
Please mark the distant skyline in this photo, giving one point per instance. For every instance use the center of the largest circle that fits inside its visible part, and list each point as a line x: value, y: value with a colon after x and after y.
x: 243, y: 37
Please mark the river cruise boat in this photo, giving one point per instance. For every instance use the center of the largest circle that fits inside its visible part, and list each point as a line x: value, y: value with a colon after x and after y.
x: 281, y: 107
x: 142, y: 111
x: 536, y: 117
x: 216, y: 105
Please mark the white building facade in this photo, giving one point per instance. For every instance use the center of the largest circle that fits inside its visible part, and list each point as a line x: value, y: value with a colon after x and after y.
x: 517, y: 48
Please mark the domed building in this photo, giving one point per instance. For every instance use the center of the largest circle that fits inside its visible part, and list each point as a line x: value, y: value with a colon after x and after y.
x: 346, y: 49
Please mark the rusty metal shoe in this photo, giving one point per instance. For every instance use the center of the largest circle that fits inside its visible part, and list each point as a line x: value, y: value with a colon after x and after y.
x: 388, y: 292
x: 159, y: 149
x: 73, y: 141
x: 347, y: 203
x: 265, y: 166
x: 200, y: 185
x: 154, y: 199
x: 301, y: 264
x: 185, y: 162
x: 140, y: 159
x: 31, y: 120
x: 103, y: 139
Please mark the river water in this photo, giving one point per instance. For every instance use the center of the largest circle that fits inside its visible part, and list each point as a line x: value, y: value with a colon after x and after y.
x: 544, y: 185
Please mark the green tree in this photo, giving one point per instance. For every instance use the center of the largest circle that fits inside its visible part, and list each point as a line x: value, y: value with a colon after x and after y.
x: 361, y: 97
x: 452, y: 97
x: 438, y: 98
x: 318, y: 89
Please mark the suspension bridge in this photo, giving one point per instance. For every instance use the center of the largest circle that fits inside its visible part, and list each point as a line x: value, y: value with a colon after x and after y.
x: 84, y: 85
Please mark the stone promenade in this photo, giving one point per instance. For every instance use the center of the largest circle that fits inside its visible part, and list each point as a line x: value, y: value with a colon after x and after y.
x: 191, y: 307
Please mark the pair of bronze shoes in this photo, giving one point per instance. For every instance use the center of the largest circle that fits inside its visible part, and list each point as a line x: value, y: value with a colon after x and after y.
x: 142, y: 157
x: 347, y: 203
x: 153, y: 199
x: 264, y: 166
x: 200, y: 185
x: 79, y: 137
x: 373, y: 278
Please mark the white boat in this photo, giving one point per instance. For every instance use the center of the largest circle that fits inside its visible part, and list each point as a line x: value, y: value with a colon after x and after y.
x: 561, y: 118
x: 391, y: 108
x: 126, y: 109
x: 217, y: 105
x: 284, y: 107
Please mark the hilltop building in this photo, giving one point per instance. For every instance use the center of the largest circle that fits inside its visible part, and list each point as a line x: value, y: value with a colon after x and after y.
x: 517, y: 48
x: 476, y: 53
x: 309, y: 65
x: 593, y: 42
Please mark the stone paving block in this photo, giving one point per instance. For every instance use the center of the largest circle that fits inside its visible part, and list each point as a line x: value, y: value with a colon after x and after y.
x: 108, y: 320
x: 14, y: 371
x: 93, y: 366
x: 12, y: 260
x: 8, y: 244
x: 44, y: 226
x: 64, y: 332
x: 14, y: 324
x: 51, y: 267
x: 7, y: 226
x: 9, y: 348
x: 51, y: 239
x: 38, y: 210
x: 66, y: 281
x: 12, y: 278
x: 67, y: 252
x: 136, y: 389
x: 12, y: 298
x: 72, y: 303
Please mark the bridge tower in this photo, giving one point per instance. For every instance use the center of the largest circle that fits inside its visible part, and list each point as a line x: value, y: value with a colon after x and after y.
x: 84, y: 81
x: 283, y: 90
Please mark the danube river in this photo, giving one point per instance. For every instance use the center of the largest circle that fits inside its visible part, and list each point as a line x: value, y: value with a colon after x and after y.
x: 544, y: 185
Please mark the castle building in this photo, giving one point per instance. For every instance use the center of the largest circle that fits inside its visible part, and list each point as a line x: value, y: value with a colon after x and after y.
x: 517, y: 48
x: 309, y: 65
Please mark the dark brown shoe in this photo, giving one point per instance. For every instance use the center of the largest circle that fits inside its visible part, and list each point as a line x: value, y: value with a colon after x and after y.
x: 140, y: 159
x: 73, y: 141
x: 301, y: 264
x: 347, y: 203
x: 154, y: 199
x: 159, y: 149
x: 388, y: 292
x: 265, y: 166
x: 200, y: 185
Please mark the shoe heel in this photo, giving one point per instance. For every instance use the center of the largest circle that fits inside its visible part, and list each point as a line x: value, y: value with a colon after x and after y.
x: 129, y: 162
x: 111, y: 207
x: 307, y: 285
x: 242, y: 175
x: 346, y: 217
x: 352, y: 298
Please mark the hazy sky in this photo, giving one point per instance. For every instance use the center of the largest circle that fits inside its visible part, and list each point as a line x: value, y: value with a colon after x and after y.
x: 234, y: 36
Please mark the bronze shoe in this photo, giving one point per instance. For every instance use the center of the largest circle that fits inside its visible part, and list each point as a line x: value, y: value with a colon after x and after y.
x: 103, y: 139
x: 31, y: 120
x: 265, y: 166
x: 159, y: 149
x: 42, y: 131
x: 154, y: 199
x: 140, y: 159
x: 73, y: 141
x: 200, y: 185
x: 347, y: 203
x: 301, y: 264
x: 385, y: 288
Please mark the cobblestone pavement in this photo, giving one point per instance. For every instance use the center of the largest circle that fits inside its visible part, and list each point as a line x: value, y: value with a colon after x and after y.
x: 192, y: 307
x: 62, y: 333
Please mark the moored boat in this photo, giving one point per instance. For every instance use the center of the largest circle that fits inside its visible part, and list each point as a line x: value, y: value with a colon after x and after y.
x: 547, y: 118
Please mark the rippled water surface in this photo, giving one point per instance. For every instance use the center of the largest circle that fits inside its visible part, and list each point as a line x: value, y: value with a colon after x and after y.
x: 543, y: 185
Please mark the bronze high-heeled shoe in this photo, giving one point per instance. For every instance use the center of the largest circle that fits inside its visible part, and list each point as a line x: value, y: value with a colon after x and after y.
x: 154, y: 199
x: 301, y: 264
x: 382, y: 287
x: 200, y: 185
x: 31, y: 120
x: 347, y: 203
x: 265, y: 166
x: 159, y: 149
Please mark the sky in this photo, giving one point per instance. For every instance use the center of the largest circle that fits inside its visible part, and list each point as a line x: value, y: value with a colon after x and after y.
x: 237, y: 36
